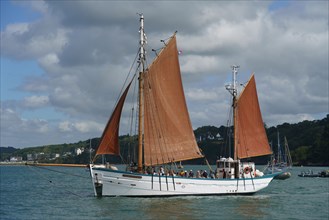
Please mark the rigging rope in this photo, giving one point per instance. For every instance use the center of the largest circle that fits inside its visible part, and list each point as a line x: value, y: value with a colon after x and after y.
x: 120, y: 94
x: 131, y: 149
x: 59, y: 186
x: 227, y: 143
x: 124, y: 84
x: 56, y: 171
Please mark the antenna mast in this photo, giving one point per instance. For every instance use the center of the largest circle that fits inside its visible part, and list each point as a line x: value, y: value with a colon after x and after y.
x: 232, y: 88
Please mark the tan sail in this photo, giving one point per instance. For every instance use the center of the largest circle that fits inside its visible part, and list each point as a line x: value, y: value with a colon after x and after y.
x: 250, y: 136
x: 168, y: 133
x: 109, y: 143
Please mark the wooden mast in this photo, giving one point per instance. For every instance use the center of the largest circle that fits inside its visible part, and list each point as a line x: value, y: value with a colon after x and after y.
x: 140, y: 94
x: 279, y: 148
x: 289, y: 160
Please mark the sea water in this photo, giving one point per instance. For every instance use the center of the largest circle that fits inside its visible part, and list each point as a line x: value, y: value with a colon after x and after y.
x: 67, y: 193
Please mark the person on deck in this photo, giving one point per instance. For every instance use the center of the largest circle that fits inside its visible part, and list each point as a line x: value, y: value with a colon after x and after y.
x: 191, y: 174
x: 161, y: 171
x: 205, y: 174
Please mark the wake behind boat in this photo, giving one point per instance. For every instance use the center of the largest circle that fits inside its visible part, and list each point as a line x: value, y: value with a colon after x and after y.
x: 165, y: 137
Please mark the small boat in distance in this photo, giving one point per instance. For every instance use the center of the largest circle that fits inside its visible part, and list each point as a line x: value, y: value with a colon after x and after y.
x: 281, y: 163
x: 165, y: 137
x: 310, y: 173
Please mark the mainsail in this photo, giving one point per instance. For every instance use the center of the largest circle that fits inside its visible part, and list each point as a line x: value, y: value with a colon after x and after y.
x: 250, y: 136
x: 168, y: 133
x: 109, y: 143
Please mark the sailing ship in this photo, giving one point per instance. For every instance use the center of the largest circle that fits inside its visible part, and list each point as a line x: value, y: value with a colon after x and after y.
x: 165, y: 136
x: 280, y: 163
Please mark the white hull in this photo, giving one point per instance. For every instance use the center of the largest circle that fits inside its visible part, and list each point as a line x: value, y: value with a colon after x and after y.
x: 119, y: 183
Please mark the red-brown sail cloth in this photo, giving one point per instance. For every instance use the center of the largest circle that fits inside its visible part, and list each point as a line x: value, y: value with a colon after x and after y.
x: 109, y: 143
x: 168, y: 132
x: 250, y: 135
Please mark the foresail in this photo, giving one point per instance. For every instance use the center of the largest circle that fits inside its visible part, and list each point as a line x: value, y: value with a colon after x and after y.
x: 250, y: 135
x: 109, y: 143
x: 168, y: 133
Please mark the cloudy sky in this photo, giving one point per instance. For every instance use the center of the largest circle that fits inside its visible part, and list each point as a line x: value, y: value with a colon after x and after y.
x: 63, y: 62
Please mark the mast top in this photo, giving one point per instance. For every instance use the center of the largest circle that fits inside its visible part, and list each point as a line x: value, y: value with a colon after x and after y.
x: 142, y: 42
x: 232, y: 87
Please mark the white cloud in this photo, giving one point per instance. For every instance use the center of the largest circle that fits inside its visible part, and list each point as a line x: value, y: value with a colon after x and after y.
x: 199, y: 64
x: 81, y: 126
x: 202, y: 95
x: 65, y: 126
x: 87, y: 126
x: 289, y: 118
x: 40, y: 6
x: 37, y: 6
x: 16, y: 29
x: 33, y: 40
x: 36, y: 101
x: 85, y: 50
x: 49, y: 60
x: 22, y: 132
x: 13, y: 122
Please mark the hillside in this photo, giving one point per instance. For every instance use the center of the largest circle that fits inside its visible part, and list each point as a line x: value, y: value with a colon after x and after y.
x: 308, y: 143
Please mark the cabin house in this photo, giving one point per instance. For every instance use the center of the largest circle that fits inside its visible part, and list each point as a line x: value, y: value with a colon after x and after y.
x: 219, y: 137
x: 30, y: 157
x: 16, y: 159
x: 79, y: 151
